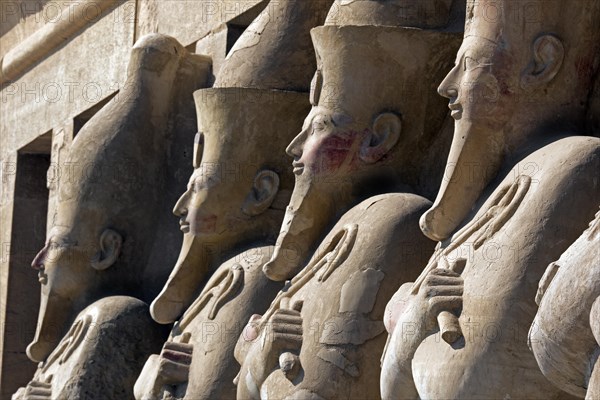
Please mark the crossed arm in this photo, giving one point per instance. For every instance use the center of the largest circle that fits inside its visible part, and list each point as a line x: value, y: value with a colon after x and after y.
x: 410, y: 318
x: 264, y: 348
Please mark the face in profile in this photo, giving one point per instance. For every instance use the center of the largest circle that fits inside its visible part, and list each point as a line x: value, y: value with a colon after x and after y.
x: 194, y: 208
x: 482, y: 86
x: 325, y: 153
x: 326, y: 150
x: 211, y: 205
x: 65, y: 273
x: 63, y: 261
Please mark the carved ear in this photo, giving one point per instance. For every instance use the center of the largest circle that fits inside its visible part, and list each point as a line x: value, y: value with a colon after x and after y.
x: 383, y: 136
x: 548, y: 56
x: 110, y: 249
x: 264, y: 190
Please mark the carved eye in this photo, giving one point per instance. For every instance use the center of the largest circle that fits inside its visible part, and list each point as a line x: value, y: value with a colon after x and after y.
x: 472, y: 63
x: 319, y: 124
x: 197, y: 186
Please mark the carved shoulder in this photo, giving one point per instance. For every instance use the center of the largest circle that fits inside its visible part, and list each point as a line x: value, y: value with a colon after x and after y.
x: 388, y: 232
x: 104, y: 350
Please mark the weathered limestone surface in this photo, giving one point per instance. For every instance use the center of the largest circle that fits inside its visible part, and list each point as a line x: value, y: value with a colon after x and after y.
x: 323, y: 334
x: 234, y: 205
x: 62, y: 91
x: 322, y: 337
x: 297, y: 246
x: 563, y: 334
x: 104, y: 226
x: 519, y: 97
x: 101, y: 355
x: 223, y: 216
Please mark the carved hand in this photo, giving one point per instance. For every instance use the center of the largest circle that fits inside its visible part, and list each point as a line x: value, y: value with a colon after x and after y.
x: 416, y: 318
x: 174, y: 364
x: 36, y: 390
x: 441, y: 291
x: 171, y: 367
x: 247, y: 338
x: 282, y: 333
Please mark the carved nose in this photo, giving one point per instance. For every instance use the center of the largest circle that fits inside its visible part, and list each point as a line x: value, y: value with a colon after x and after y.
x: 452, y: 93
x: 295, y: 147
x: 448, y: 90
x: 180, y: 208
x: 38, y: 261
x: 449, y: 86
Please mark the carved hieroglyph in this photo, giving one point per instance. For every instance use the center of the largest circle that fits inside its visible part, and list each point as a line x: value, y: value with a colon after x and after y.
x: 563, y: 336
x: 323, y: 334
x: 520, y: 187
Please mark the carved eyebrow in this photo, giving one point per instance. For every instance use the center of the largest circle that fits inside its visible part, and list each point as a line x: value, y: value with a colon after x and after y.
x: 62, y: 240
x: 492, y: 42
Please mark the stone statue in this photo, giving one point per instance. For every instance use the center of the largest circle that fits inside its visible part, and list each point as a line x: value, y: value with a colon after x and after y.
x: 564, y: 334
x: 234, y: 205
x: 521, y: 185
x: 104, y: 225
x: 101, y: 354
x: 593, y: 389
x: 228, y: 224
x: 367, y: 133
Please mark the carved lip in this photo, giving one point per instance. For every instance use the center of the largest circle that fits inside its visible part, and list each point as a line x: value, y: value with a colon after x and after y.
x: 184, y: 225
x: 457, y: 110
x: 42, y: 276
x: 298, y: 167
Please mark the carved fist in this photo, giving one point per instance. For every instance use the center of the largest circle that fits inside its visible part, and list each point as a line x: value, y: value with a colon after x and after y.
x: 34, y: 390
x: 278, y: 344
x: 174, y: 364
x: 283, y: 333
x: 442, y: 289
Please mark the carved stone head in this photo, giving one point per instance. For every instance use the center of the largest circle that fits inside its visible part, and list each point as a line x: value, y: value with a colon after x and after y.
x: 374, y: 115
x: 240, y: 185
x: 242, y: 178
x: 524, y: 70
x: 110, y: 191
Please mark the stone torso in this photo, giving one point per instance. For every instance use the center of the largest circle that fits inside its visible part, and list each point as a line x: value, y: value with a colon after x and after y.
x: 372, y: 250
x: 236, y: 290
x: 101, y: 355
x: 532, y: 216
x: 562, y: 336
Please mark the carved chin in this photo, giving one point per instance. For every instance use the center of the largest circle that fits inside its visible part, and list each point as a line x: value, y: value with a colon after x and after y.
x: 185, y: 278
x: 52, y: 319
x: 38, y: 350
x: 475, y: 157
x: 300, y: 229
